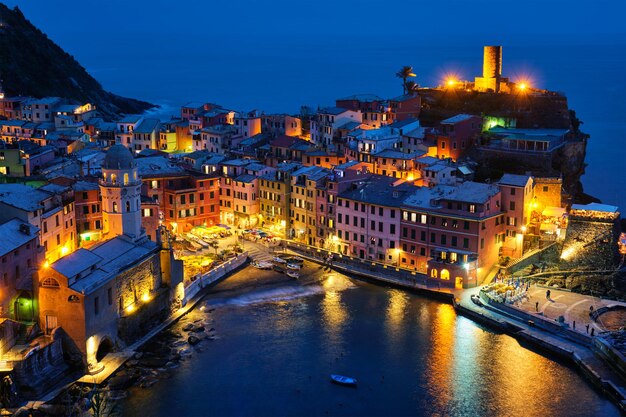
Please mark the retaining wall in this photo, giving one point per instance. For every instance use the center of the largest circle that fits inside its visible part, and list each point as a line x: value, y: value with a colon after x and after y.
x: 213, y: 276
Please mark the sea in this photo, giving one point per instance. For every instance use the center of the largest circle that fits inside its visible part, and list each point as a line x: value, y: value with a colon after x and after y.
x: 275, y: 348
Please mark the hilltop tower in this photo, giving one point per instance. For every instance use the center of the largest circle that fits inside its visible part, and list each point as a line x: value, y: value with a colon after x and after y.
x: 121, y: 195
x: 492, y: 70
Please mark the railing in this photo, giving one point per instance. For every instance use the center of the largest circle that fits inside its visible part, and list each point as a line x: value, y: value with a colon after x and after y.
x: 213, y: 275
x: 369, y: 268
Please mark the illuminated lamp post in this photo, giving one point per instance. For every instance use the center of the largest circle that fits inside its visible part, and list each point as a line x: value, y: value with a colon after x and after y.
x: 398, y: 252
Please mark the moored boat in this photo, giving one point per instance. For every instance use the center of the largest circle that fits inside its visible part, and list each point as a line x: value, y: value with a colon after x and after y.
x: 293, y: 274
x: 343, y: 380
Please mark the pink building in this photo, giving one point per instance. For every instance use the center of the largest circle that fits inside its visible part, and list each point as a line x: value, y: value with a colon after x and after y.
x: 452, y: 233
x: 368, y: 218
x: 517, y: 200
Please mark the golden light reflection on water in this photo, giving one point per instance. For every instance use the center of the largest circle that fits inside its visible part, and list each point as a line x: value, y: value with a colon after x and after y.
x: 396, y: 311
x: 439, y: 368
x: 334, y: 312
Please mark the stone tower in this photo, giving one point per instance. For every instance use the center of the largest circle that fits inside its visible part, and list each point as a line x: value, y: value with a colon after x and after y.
x: 492, y: 70
x: 121, y: 195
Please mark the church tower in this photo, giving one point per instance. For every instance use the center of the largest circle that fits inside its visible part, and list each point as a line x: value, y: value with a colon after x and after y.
x: 120, y: 187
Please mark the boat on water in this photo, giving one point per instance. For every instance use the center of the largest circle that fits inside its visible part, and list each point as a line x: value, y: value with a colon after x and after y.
x: 262, y: 265
x: 294, y: 266
x: 293, y: 274
x: 279, y: 260
x: 295, y: 260
x: 343, y: 380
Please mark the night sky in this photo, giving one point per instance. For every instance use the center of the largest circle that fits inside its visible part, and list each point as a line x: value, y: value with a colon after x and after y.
x: 64, y: 19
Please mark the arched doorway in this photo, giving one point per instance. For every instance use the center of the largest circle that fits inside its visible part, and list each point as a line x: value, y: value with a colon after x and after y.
x: 105, y: 347
x: 23, y: 308
x: 445, y: 274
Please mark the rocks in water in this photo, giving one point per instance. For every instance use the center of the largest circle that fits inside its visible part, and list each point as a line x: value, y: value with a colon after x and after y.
x: 188, y: 327
x: 121, y: 381
x: 193, y: 340
x: 138, y: 355
x: 198, y: 329
x: 154, y: 362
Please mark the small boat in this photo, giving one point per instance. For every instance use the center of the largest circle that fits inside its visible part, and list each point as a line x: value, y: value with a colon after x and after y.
x: 279, y: 260
x: 295, y: 260
x: 293, y: 274
x: 262, y: 265
x: 294, y: 266
x: 343, y: 380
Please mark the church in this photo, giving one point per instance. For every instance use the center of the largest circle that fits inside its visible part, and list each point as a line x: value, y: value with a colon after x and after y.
x: 107, y: 296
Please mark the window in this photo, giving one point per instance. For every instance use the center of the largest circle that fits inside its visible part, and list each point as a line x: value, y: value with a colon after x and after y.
x: 127, y: 206
x: 433, y: 273
x: 96, y: 305
x: 465, y: 225
x: 512, y: 205
x: 50, y: 283
x: 454, y: 239
x: 512, y: 191
x: 114, y: 207
x: 465, y: 243
x: 472, y: 208
x: 482, y: 243
x: 545, y: 188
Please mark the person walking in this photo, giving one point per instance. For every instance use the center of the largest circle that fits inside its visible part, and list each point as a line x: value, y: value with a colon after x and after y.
x: 548, y: 294
x: 537, y: 306
x: 587, y: 326
x: 592, y: 331
x: 574, y: 324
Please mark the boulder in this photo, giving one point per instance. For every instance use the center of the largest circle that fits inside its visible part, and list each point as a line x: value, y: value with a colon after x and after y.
x: 188, y: 327
x: 193, y: 340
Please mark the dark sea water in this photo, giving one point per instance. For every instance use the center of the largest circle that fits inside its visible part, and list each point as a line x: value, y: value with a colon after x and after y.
x: 412, y: 356
x: 281, y: 74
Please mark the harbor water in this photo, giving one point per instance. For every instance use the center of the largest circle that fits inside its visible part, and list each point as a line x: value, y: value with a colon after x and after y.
x: 276, y: 346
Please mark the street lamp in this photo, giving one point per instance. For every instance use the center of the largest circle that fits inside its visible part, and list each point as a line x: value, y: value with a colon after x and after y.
x: 398, y: 252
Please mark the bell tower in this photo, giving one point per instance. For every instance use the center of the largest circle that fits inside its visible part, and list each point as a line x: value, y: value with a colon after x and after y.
x: 120, y: 187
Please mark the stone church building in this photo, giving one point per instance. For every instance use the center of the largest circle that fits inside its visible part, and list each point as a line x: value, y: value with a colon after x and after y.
x: 108, y: 295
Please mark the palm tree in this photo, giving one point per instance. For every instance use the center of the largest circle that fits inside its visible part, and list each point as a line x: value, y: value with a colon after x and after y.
x: 404, y: 73
x: 411, y: 87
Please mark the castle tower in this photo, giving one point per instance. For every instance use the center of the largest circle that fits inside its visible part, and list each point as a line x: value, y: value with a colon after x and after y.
x: 121, y: 194
x: 492, y: 70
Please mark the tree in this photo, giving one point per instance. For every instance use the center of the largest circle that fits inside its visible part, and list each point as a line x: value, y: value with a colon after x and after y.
x: 404, y: 73
x: 215, y: 245
x: 411, y: 87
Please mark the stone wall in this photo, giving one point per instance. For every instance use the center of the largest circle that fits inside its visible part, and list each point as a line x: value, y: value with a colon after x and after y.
x: 213, y: 275
x: 133, y: 326
x: 549, y: 254
x: 40, y: 369
x: 590, y: 244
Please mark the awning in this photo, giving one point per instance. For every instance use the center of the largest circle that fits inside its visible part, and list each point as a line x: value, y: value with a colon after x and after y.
x: 548, y: 227
x: 553, y: 212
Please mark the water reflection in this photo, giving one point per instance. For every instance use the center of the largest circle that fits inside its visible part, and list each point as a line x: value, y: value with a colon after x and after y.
x: 439, y: 361
x: 396, y: 313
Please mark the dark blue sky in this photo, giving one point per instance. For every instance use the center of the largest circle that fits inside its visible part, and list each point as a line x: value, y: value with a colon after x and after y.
x: 64, y: 19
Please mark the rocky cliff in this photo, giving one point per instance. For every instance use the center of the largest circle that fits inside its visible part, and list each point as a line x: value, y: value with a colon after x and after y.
x: 33, y: 65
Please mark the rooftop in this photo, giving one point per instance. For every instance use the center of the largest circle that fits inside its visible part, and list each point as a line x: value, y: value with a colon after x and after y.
x: 116, y: 255
x: 379, y: 190
x: 14, y: 235
x: 595, y: 207
x: 156, y: 166
x: 147, y: 126
x: 130, y: 118
x: 457, y: 119
x: 22, y: 197
x: 514, y: 180
x: 332, y: 110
